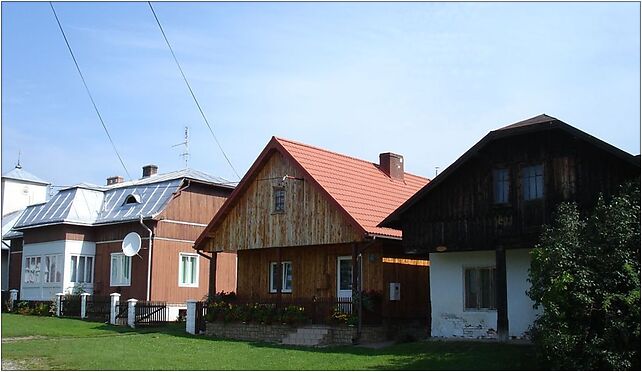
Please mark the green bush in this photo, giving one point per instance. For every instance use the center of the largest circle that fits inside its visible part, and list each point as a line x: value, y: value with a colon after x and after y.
x: 255, y: 313
x: 585, y: 276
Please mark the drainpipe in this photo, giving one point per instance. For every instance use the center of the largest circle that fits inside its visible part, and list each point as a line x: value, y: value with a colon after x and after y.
x: 149, y: 256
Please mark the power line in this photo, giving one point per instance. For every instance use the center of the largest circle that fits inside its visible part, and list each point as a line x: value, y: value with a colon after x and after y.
x: 88, y: 91
x: 191, y: 91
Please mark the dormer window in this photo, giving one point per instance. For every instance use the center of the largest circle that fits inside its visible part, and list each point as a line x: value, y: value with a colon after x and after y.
x: 132, y: 199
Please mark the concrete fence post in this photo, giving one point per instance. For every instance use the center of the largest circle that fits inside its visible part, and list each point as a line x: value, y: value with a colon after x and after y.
x: 83, y: 305
x: 59, y: 303
x: 131, y: 312
x: 115, y: 300
x: 190, y: 321
x: 13, y: 297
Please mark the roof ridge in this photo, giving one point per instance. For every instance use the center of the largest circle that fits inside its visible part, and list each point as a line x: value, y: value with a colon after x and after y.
x: 341, y: 155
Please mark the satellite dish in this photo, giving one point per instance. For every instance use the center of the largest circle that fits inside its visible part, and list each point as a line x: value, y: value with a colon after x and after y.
x: 131, y: 244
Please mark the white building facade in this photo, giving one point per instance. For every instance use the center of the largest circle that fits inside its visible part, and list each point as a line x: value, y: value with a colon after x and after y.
x: 454, y: 316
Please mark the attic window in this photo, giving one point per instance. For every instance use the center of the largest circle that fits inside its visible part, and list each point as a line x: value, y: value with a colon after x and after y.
x: 279, y: 199
x: 132, y: 199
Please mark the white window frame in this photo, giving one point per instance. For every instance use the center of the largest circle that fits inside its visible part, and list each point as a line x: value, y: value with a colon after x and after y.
x: 58, y: 259
x: 272, y: 283
x: 129, y: 274
x: 180, y: 269
x: 74, y: 269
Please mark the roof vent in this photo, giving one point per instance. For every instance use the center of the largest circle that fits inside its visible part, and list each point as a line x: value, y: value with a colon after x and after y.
x: 150, y: 170
x: 114, y: 180
x: 392, y: 165
x: 132, y: 199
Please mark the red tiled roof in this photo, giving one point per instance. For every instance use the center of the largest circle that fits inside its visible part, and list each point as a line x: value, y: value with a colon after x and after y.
x: 365, y: 192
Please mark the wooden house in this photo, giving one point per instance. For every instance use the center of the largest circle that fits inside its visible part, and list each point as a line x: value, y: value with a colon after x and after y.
x: 303, y: 222
x: 479, y: 219
x: 73, y: 242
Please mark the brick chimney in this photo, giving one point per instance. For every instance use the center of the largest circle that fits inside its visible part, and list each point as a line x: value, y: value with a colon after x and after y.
x: 392, y: 165
x: 114, y: 180
x: 150, y: 170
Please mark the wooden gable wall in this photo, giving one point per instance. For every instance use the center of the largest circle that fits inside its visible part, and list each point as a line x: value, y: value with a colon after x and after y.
x: 460, y: 212
x: 309, y: 218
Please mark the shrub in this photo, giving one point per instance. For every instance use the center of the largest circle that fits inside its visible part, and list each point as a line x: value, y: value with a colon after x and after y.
x: 585, y: 275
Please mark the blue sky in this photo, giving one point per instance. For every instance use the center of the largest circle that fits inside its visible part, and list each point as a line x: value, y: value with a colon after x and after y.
x: 426, y: 80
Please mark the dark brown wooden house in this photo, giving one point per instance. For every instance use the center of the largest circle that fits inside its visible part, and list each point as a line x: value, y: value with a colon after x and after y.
x: 479, y: 218
x: 303, y: 222
x: 73, y: 242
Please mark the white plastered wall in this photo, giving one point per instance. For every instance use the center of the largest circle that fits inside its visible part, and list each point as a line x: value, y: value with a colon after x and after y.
x: 449, y: 319
x: 17, y: 195
x: 47, y: 291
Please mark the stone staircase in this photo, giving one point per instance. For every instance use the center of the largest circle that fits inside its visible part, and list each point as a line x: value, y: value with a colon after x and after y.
x: 309, y: 336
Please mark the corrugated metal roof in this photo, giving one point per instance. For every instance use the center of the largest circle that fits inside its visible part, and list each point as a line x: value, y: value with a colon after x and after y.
x: 20, y: 174
x: 8, y: 221
x: 91, y: 204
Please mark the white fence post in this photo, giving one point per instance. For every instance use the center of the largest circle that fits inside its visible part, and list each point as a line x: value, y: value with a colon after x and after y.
x: 190, y: 321
x: 13, y: 297
x: 83, y: 305
x: 131, y: 312
x: 115, y: 300
x: 58, y: 302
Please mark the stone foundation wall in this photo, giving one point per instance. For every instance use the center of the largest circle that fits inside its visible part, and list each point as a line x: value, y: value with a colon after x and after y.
x: 337, y: 335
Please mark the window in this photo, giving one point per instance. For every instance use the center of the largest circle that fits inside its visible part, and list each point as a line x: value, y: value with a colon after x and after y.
x: 53, y: 269
x: 286, y: 277
x: 121, y: 270
x: 32, y: 270
x: 279, y: 200
x: 500, y: 185
x: 81, y: 268
x: 188, y: 270
x: 479, y: 288
x: 132, y: 199
x: 533, y: 182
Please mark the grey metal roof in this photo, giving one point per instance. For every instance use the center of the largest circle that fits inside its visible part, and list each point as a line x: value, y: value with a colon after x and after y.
x: 8, y: 221
x: 20, y: 174
x: 88, y: 204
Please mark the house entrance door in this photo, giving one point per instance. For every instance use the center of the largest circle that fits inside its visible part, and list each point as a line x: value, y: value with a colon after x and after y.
x: 344, y: 277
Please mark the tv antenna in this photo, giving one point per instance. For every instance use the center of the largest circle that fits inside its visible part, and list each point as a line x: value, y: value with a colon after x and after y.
x: 185, y: 143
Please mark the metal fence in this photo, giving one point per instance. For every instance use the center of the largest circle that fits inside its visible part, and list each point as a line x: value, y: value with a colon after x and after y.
x: 121, y: 313
x: 150, y: 313
x: 70, y: 305
x: 98, y: 308
x: 201, y: 316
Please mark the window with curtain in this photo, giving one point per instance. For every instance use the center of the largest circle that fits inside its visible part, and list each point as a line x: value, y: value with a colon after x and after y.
x: 188, y: 270
x: 286, y: 277
x: 81, y: 269
x: 479, y: 288
x: 32, y: 270
x: 53, y: 269
x: 533, y: 182
x: 120, y: 270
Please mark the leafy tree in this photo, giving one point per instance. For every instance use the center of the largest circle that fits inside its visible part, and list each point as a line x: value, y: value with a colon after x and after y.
x: 585, y: 276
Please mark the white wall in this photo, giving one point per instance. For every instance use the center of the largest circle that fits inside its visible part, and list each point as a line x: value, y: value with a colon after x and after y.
x: 449, y: 319
x: 46, y: 291
x: 18, y: 195
x: 520, y: 307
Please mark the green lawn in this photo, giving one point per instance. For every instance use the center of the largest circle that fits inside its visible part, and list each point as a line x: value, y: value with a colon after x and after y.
x: 73, y: 345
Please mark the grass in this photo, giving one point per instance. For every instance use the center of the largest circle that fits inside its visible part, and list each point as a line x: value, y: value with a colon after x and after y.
x: 74, y: 345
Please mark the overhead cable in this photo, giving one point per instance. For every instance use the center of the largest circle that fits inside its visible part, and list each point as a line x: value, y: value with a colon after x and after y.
x: 192, y: 92
x: 88, y: 91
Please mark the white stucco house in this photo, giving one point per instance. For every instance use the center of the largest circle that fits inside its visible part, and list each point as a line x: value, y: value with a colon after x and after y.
x: 19, y: 190
x: 480, y: 218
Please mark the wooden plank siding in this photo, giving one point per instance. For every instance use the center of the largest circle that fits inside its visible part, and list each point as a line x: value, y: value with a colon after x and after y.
x: 197, y: 203
x: 308, y: 219
x: 102, y: 272
x: 58, y: 232
x: 314, y: 273
x: 460, y: 212
x: 15, y: 263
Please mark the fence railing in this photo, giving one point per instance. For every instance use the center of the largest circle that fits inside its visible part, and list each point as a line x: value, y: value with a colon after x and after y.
x: 320, y: 310
x: 98, y: 308
x: 122, y: 310
x: 201, y: 317
x: 70, y: 305
x: 150, y: 313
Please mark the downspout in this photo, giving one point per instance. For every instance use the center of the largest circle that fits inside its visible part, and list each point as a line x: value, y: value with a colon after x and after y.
x: 149, y: 256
